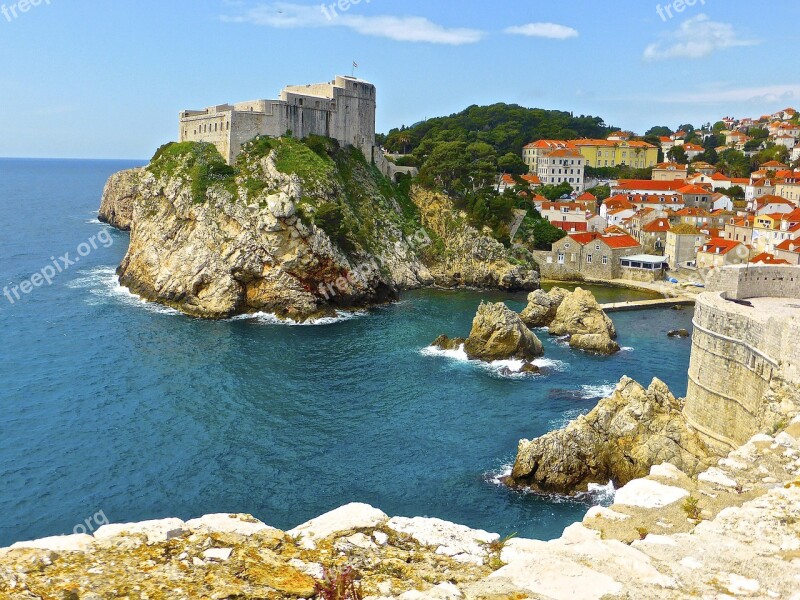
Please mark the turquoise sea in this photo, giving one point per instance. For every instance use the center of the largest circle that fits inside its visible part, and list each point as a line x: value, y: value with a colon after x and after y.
x: 110, y: 404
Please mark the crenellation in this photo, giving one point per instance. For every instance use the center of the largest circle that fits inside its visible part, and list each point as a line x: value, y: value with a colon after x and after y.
x: 343, y: 109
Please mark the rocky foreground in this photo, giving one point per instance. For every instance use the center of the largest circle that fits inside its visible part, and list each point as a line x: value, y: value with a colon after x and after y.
x: 733, y: 531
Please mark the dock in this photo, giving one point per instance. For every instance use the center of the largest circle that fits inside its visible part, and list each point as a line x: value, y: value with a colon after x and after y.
x: 646, y: 304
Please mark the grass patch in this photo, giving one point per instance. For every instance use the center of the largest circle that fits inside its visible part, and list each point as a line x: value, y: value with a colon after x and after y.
x: 203, y: 165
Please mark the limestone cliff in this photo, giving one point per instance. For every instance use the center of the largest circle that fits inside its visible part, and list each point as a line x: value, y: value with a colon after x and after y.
x: 467, y: 257
x: 296, y: 229
x: 119, y: 194
x: 618, y: 441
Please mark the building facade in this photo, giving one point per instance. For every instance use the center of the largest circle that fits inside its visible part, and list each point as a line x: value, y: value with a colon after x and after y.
x: 343, y: 109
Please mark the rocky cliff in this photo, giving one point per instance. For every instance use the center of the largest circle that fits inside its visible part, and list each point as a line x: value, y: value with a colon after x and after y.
x: 296, y: 229
x: 619, y: 440
x: 733, y: 531
x: 119, y: 194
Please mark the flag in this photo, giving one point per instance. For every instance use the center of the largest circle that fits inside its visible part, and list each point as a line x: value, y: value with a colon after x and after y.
x: 355, y: 65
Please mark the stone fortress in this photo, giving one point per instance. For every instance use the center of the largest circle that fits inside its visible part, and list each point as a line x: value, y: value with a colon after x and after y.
x: 744, y: 374
x: 343, y: 109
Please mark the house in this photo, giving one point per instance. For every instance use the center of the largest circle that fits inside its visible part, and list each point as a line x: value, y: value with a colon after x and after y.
x: 614, y: 203
x: 704, y: 168
x: 587, y: 255
x: 696, y: 217
x: 789, y: 251
x: 646, y: 186
x: 618, y: 216
x: 607, y: 153
x: 718, y: 252
x: 567, y: 216
x: 721, y: 202
x: 767, y: 259
x: 770, y: 203
x: 665, y: 202
x: 562, y: 165
x: 758, y: 188
x: 670, y: 171
x: 681, y: 245
x: 532, y: 152
x: 510, y: 181
x: 789, y: 188
x: 693, y: 151
x: 694, y: 196
x: 653, y: 236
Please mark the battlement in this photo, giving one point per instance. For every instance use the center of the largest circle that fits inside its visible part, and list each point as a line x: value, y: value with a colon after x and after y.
x: 343, y: 109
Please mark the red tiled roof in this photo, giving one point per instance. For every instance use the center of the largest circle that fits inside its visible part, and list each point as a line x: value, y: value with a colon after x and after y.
x: 620, y: 241
x: 586, y: 197
x: 657, y: 226
x: 790, y: 246
x: 649, y: 185
x: 692, y: 189
x: 768, y: 259
x: 719, y: 246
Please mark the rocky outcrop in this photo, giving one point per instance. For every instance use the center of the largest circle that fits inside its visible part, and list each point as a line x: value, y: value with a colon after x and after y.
x: 288, y: 231
x: 542, y: 307
x: 498, y: 333
x: 580, y: 317
x: 619, y: 440
x: 119, y: 196
x: 465, y: 256
x: 742, y: 541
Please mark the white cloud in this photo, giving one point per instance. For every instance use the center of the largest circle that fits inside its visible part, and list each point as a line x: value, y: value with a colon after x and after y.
x: 763, y: 95
x: 697, y: 37
x: 552, y: 31
x: 286, y: 15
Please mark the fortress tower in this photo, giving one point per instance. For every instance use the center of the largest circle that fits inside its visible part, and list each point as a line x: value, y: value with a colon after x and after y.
x: 744, y: 375
x: 343, y: 109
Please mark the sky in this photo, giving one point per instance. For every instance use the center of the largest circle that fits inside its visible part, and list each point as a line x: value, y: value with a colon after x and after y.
x: 107, y: 79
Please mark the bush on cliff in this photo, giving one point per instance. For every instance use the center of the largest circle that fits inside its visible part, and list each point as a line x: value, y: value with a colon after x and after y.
x: 202, y: 163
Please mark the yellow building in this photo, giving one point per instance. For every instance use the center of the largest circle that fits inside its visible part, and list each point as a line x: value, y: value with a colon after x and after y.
x: 611, y: 153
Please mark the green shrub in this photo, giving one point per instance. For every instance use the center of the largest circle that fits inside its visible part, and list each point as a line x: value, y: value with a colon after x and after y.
x: 203, y: 165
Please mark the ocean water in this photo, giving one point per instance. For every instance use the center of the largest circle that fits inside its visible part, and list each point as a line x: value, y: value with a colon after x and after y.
x: 110, y: 404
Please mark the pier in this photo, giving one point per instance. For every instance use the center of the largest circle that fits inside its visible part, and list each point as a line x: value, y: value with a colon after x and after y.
x: 645, y: 304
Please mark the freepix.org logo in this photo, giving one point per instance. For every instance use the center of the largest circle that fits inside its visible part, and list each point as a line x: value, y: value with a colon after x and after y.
x: 15, y: 10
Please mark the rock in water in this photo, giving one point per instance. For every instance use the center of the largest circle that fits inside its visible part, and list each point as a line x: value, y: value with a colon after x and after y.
x: 498, y: 333
x: 119, y: 195
x: 596, y: 343
x: 580, y: 316
x: 618, y: 441
x: 679, y: 333
x: 445, y: 343
x: 542, y: 307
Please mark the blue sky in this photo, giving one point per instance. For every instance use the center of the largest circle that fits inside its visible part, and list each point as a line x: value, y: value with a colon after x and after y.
x: 96, y: 78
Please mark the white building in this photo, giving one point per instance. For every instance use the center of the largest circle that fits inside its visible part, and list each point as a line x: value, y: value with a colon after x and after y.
x: 564, y: 165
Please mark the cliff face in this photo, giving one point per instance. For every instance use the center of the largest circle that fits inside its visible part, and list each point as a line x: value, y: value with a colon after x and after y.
x: 292, y: 231
x: 618, y: 441
x: 467, y: 257
x: 119, y: 194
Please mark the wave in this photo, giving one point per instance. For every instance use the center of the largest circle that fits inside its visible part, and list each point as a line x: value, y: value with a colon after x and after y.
x: 273, y: 319
x: 103, y: 285
x: 511, y: 369
x: 597, y: 392
x: 626, y: 349
x: 597, y: 494
x: 94, y: 221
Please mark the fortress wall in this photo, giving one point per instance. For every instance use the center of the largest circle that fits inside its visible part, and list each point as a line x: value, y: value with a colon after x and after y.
x: 766, y: 281
x: 737, y: 352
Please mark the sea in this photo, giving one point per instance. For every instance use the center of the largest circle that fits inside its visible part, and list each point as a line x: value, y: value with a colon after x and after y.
x: 117, y: 407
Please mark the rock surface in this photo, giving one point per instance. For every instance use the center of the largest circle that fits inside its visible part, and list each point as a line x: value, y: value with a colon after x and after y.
x: 746, y: 544
x: 580, y: 317
x: 498, y: 333
x: 542, y: 307
x: 470, y: 257
x: 119, y: 195
x: 260, y: 241
x: 620, y: 440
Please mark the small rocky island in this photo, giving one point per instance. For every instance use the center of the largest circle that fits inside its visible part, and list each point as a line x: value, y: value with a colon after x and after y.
x: 296, y: 228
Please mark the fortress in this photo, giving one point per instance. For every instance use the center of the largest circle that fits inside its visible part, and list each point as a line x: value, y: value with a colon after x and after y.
x: 343, y: 109
x: 744, y: 375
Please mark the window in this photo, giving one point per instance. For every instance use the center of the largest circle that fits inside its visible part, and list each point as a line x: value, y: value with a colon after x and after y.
x: 561, y: 258
x: 589, y: 259
x: 597, y: 247
x: 566, y: 246
x: 605, y: 260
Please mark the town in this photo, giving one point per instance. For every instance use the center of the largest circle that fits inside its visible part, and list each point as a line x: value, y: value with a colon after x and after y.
x: 725, y: 194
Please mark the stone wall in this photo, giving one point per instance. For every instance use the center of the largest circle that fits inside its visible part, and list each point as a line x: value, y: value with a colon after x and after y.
x: 747, y: 281
x: 643, y: 275
x: 744, y: 358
